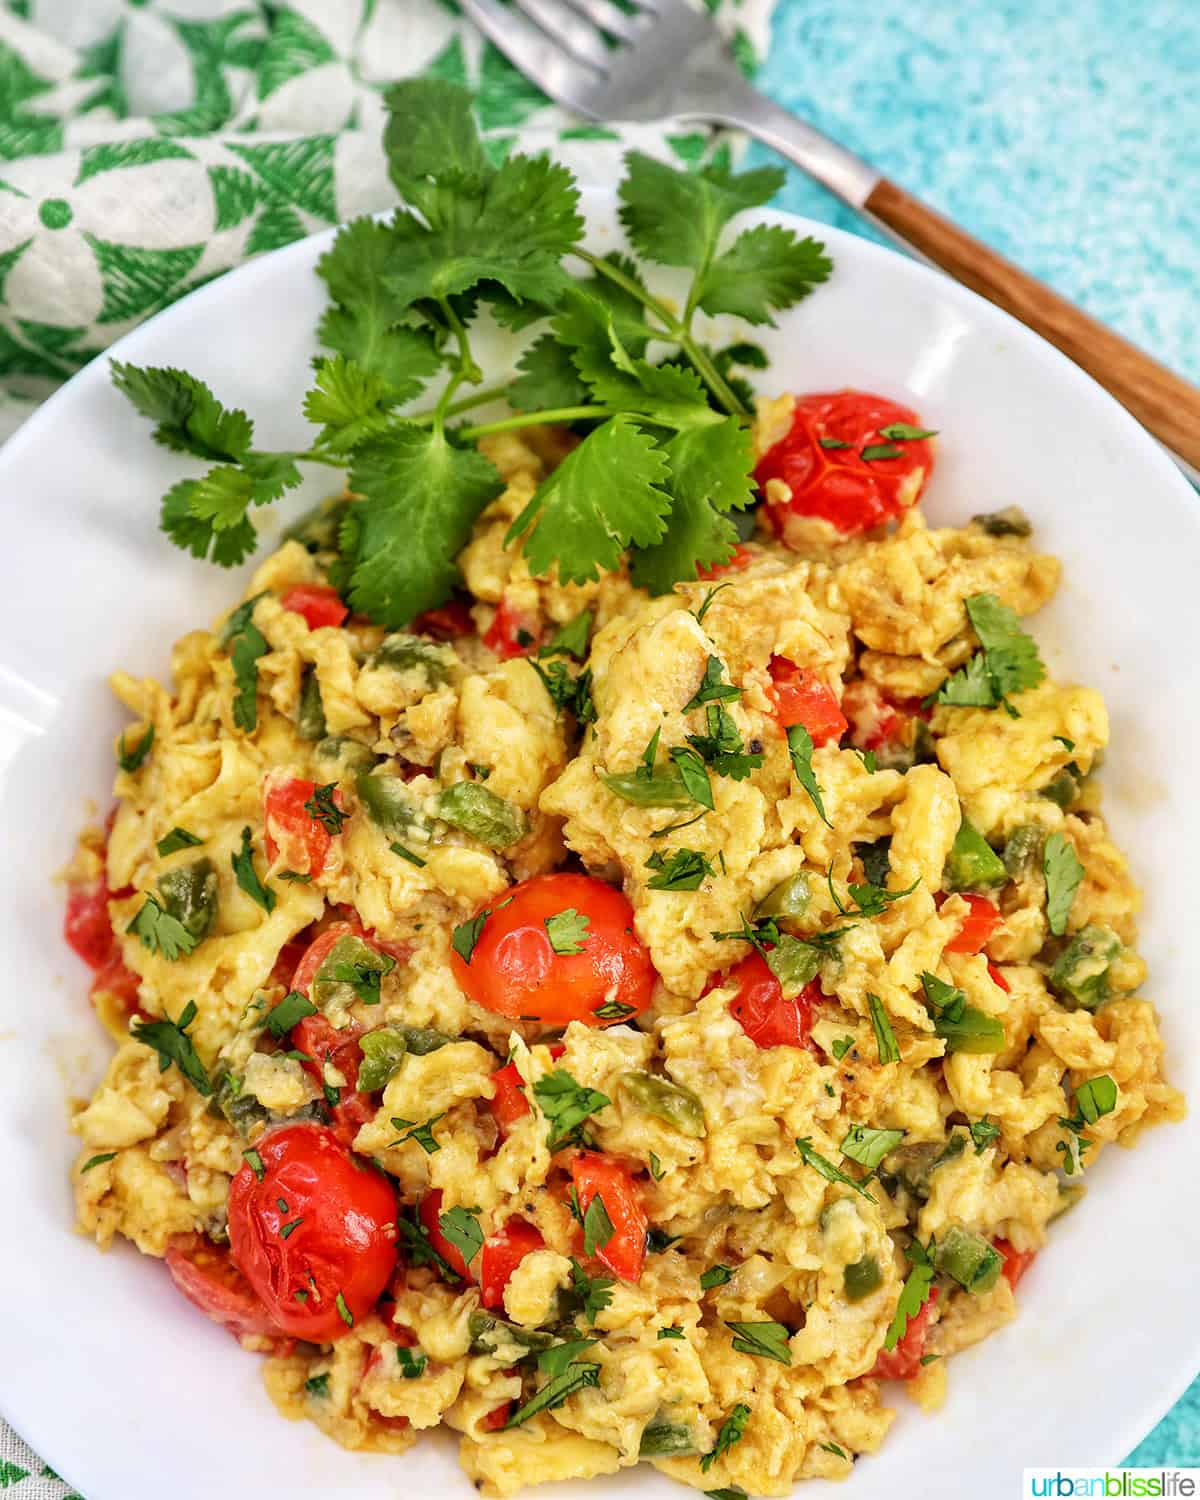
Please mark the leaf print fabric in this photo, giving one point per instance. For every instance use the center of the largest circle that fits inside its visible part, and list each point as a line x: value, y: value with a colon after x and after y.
x: 146, y: 146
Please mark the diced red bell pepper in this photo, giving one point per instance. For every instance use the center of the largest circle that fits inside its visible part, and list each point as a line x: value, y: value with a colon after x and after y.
x: 449, y: 622
x: 613, y: 1182
x: 509, y: 1103
x: 512, y: 632
x: 497, y: 1417
x: 502, y: 1253
x: 1016, y: 1262
x: 317, y: 602
x: 801, y: 697
x: 977, y: 928
x: 904, y: 1361
x: 998, y: 979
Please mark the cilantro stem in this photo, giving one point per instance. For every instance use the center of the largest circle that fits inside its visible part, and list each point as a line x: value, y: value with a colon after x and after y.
x: 467, y: 369
x: 677, y: 330
x: 536, y: 418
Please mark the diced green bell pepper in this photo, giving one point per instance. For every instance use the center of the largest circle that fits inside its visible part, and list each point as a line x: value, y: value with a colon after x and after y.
x: 671, y: 1102
x: 969, y: 1259
x: 469, y: 806
x: 1080, y: 973
x: 189, y: 893
x: 973, y: 864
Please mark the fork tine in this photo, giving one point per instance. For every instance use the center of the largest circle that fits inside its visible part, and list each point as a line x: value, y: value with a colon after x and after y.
x: 576, y: 36
x: 530, y: 50
x: 608, y: 17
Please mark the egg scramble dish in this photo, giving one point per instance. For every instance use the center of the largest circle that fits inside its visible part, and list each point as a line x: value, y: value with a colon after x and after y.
x: 521, y: 1024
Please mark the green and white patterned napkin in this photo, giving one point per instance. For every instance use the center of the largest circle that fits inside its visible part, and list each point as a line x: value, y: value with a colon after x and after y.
x: 148, y: 145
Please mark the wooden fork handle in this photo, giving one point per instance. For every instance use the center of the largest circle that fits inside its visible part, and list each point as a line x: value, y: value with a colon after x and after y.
x: 1168, y: 406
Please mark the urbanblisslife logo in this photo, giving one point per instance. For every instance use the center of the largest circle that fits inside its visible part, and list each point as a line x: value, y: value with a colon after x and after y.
x: 1111, y: 1484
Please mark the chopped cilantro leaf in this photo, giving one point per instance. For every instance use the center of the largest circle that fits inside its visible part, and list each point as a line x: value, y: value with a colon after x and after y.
x: 715, y: 1276
x: 670, y: 1333
x: 841, y: 1046
x: 1064, y: 872
x: 461, y: 1227
x: 826, y: 1168
x: 567, y: 931
x: 130, y: 760
x: 767, y: 1340
x: 566, y: 1104
x: 570, y: 639
x: 597, y: 1226
x: 983, y: 1133
x: 594, y: 1293
x: 421, y: 1133
x: 170, y: 1040
x: 96, y: 1161
x: 162, y: 933
x: 712, y: 689
x: 913, y: 1294
x: 1007, y: 663
x: 902, y: 432
x: 178, y: 838
x: 681, y: 870
x: 290, y: 1010
x: 868, y: 1146
x: 412, y: 1366
x: 731, y: 1431
x: 885, y: 1037
x: 322, y: 808
x: 467, y: 934
x: 874, y: 451
x: 247, y: 876
x: 800, y: 748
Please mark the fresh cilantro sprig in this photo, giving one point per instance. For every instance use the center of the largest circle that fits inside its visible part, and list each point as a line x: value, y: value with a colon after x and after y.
x: 665, y: 454
x: 1007, y: 662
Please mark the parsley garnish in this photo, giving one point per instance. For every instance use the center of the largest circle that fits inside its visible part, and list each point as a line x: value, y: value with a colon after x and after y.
x: 657, y: 470
x: 721, y: 746
x: 1063, y: 872
x: 96, y: 1161
x: 461, y: 1228
x: 162, y: 933
x: 170, y: 1040
x: 241, y: 637
x: 412, y: 1366
x: 566, y: 1105
x: 681, y: 870
x: 885, y: 1037
x: 597, y: 1226
x: 800, y: 748
x: 913, y: 1294
x: 131, y: 760
x: 715, y: 1276
x: 419, y: 1247
x: 712, y: 689
x: 178, y: 838
x: 413, y: 859
x: 868, y: 1146
x: 290, y: 1010
x: 1007, y: 663
x: 247, y: 875
x: 731, y: 1431
x: 573, y: 694
x: 594, y: 1293
x: 568, y: 1374
x: 567, y: 931
x: 318, y: 1385
x: 467, y: 934
x: 322, y: 809
x: 421, y: 1133
x: 670, y: 1333
x: 826, y: 1168
x: 766, y: 1340
x: 983, y: 1133
x: 841, y: 1046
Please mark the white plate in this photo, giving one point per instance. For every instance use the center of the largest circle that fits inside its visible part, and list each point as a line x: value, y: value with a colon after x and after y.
x: 130, y: 1393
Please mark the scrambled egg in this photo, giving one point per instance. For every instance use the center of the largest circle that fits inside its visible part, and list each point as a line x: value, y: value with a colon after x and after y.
x: 886, y: 613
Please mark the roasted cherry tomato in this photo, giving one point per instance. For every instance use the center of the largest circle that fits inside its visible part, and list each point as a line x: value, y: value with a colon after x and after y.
x: 904, y: 1361
x: 977, y: 928
x: 317, y: 602
x: 612, y: 1181
x: 508, y: 1103
x: 319, y: 1222
x: 760, y: 1009
x: 1016, y: 1262
x: 821, y: 460
x: 208, y: 1278
x: 742, y: 558
x: 502, y: 1253
x: 801, y: 697
x: 447, y: 623
x: 86, y: 925
x: 514, y: 971
x: 292, y: 830
x: 512, y: 633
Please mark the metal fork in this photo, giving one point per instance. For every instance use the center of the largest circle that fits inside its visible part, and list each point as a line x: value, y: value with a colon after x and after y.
x: 668, y: 60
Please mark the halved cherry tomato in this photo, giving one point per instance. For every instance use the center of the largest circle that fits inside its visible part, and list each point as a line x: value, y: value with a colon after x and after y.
x: 612, y: 1181
x: 801, y: 697
x: 760, y: 1009
x: 514, y: 971
x: 208, y: 1278
x: 291, y: 829
x: 86, y: 925
x: 317, y: 602
x: 512, y: 633
x: 836, y: 482
x: 321, y: 1222
x: 116, y: 979
x: 1016, y: 1262
x: 447, y: 623
x: 904, y: 1361
x: 978, y: 925
x: 287, y: 960
x: 508, y: 1103
x: 502, y: 1253
x: 998, y: 979
x: 742, y: 558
